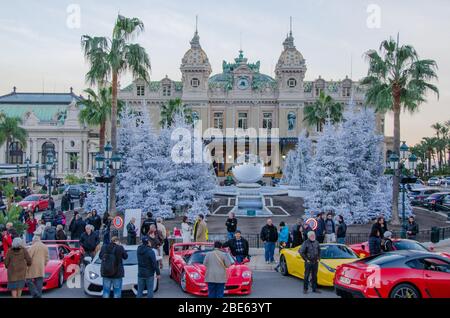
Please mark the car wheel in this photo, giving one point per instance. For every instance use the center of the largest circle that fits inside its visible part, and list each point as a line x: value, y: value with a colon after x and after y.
x: 283, y: 266
x: 405, y: 291
x: 61, y: 278
x: 183, y: 281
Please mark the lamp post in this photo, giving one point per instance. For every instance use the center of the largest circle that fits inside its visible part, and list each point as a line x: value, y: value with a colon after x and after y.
x: 107, y: 165
x: 397, y: 165
x: 49, y: 166
x: 27, y: 162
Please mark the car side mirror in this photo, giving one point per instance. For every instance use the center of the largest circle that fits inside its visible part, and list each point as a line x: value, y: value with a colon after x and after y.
x: 88, y: 259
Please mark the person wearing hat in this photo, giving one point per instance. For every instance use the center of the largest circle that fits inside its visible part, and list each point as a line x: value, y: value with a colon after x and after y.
x: 238, y: 247
x: 147, y: 267
x: 387, y: 245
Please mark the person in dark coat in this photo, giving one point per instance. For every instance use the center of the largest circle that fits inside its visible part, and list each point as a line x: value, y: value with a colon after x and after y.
x: 49, y: 233
x: 106, y: 231
x: 381, y: 226
x: 231, y: 225
x: 95, y: 220
x: 341, y: 231
x: 145, y: 228
x: 51, y: 204
x: 321, y: 227
x: 269, y: 235
x: 131, y: 232
x: 112, y: 277
x: 387, y: 244
x: 65, y: 202
x: 297, y: 233
x: 374, y: 241
x: 60, y: 234
x: 306, y: 230
x: 76, y: 227
x: 310, y: 252
x: 147, y: 268
x: 89, y: 241
x: 412, y: 228
x: 238, y: 247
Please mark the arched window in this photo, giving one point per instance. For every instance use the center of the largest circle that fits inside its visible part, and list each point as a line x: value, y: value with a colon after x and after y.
x: 15, y: 153
x: 47, y: 148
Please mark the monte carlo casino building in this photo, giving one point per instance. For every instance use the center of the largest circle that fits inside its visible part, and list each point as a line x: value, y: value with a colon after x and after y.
x: 241, y: 98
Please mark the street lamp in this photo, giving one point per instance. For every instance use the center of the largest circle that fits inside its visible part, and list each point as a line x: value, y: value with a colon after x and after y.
x: 49, y: 166
x: 27, y: 162
x: 107, y: 165
x: 397, y: 164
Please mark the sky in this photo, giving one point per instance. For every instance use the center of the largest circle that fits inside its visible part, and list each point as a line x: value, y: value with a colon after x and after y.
x: 40, y: 40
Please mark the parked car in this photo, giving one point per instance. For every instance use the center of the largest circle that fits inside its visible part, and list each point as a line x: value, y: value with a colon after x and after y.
x: 446, y: 181
x: 434, y: 181
x: 35, y: 202
x: 93, y: 282
x: 398, y: 274
x: 435, y: 201
x: 417, y: 196
x: 74, y: 191
x: 446, y: 203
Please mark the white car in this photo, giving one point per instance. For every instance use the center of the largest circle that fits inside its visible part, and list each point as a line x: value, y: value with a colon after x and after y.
x: 93, y: 282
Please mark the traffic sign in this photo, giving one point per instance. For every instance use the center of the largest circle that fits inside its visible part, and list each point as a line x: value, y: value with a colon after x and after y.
x: 312, y: 223
x: 118, y: 222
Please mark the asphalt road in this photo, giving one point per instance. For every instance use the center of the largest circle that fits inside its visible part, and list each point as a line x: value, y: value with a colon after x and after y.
x: 265, y: 285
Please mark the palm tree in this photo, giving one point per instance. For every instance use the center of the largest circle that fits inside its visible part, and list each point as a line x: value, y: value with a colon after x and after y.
x: 113, y: 57
x: 172, y: 108
x: 97, y: 110
x: 396, y: 78
x: 316, y: 114
x: 444, y: 133
x: 437, y: 127
x: 429, y: 146
x: 10, y: 130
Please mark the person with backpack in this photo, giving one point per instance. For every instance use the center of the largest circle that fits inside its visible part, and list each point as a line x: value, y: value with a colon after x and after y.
x: 111, y: 269
x: 145, y: 228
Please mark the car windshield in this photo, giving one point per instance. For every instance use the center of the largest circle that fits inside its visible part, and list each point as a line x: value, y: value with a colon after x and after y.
x: 381, y: 259
x: 434, y: 179
x: 32, y: 198
x: 336, y: 252
x: 199, y: 256
x: 409, y: 245
x: 130, y: 261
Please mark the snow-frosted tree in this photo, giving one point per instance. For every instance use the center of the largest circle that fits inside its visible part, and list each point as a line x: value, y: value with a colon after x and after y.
x: 199, y: 206
x: 96, y: 199
x: 295, y: 171
x: 288, y: 168
x: 332, y: 186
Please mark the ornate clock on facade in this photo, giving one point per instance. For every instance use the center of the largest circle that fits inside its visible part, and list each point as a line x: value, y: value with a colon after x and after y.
x: 243, y: 83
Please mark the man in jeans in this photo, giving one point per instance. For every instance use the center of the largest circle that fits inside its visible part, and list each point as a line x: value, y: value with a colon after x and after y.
x: 216, y: 263
x: 310, y: 252
x: 112, y: 270
x: 269, y: 236
x: 36, y: 272
x: 238, y: 247
x: 147, y: 267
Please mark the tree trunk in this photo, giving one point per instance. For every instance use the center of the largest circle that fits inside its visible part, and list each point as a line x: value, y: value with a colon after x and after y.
x: 112, y: 197
x: 7, y: 150
x: 396, y: 182
x: 102, y: 136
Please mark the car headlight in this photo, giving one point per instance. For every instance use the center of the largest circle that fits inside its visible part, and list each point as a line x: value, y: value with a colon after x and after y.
x: 247, y: 274
x: 93, y: 275
x: 30, y: 205
x: 330, y: 269
x: 194, y: 275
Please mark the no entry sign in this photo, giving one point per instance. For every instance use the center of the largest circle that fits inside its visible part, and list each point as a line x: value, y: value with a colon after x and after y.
x: 118, y: 222
x: 312, y: 223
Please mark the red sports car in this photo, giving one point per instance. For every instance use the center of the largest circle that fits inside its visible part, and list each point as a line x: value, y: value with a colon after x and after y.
x: 187, y: 269
x: 397, y: 274
x: 362, y: 249
x: 35, y: 202
x: 63, y: 262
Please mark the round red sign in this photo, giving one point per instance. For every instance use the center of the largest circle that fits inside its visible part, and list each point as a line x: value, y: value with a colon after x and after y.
x: 118, y: 222
x: 312, y: 223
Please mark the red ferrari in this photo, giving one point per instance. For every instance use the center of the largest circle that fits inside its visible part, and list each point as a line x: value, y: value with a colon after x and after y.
x: 362, y: 249
x: 397, y: 274
x: 35, y: 202
x: 187, y: 269
x: 63, y: 262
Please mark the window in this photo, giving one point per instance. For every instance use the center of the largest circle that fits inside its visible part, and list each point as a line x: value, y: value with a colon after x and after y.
x: 218, y: 120
x: 346, y: 91
x: 15, y: 153
x: 195, y: 82
x: 140, y: 90
x: 292, y: 82
x: 73, y: 160
x: 166, y: 90
x: 267, y: 120
x: 48, y: 148
x: 242, y: 120
x: 318, y: 91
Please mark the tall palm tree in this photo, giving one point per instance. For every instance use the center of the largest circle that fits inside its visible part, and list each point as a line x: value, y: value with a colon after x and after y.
x: 429, y: 145
x: 437, y: 127
x: 97, y: 110
x: 10, y: 131
x: 444, y: 133
x: 172, y: 108
x: 398, y: 78
x: 325, y: 106
x: 113, y: 57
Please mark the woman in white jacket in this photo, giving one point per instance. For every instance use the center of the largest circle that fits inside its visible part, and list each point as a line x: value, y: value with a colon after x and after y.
x: 186, y: 230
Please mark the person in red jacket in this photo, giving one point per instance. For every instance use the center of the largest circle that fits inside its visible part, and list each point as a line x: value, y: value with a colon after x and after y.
x: 6, y: 239
x: 31, y: 222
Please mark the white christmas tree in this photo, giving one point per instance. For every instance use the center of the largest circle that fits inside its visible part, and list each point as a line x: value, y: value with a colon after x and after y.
x: 332, y: 186
x: 295, y: 171
x: 289, y: 165
x: 199, y: 206
x: 96, y: 199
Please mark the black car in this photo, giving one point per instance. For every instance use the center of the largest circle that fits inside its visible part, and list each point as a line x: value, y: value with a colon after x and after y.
x: 435, y: 201
x: 417, y: 196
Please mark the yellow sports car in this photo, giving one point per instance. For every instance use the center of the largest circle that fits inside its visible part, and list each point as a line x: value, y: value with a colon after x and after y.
x: 331, y: 256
